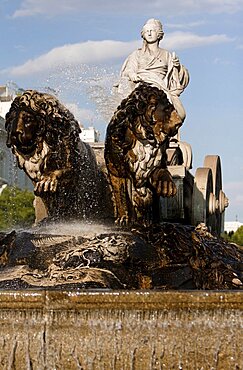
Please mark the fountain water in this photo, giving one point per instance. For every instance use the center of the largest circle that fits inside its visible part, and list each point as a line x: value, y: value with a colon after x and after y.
x: 89, y: 295
x: 121, y: 330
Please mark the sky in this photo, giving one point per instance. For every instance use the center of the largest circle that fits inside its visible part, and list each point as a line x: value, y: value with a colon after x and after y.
x: 75, y: 49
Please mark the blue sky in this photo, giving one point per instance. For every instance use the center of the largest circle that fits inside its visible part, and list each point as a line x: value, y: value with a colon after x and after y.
x: 77, y: 47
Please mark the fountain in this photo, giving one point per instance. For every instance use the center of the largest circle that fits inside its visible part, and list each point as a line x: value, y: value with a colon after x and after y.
x: 77, y: 291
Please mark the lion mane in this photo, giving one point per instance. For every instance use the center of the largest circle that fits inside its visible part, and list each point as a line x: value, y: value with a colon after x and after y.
x: 135, y: 153
x: 44, y: 136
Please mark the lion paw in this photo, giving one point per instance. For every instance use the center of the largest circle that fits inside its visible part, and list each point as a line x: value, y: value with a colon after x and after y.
x: 46, y: 184
x: 123, y: 221
x: 166, y: 188
x: 163, y: 183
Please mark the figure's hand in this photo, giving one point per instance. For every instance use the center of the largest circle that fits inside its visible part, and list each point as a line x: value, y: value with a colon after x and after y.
x: 123, y: 220
x: 175, y: 60
x: 134, y: 77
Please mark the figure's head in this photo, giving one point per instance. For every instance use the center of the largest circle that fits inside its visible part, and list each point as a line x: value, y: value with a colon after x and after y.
x: 152, y: 30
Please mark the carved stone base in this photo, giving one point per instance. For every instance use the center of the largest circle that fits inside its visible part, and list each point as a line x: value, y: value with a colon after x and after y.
x: 166, y: 256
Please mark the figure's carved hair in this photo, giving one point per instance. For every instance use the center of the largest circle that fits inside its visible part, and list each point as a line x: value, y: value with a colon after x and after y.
x: 157, y: 24
x: 47, y: 108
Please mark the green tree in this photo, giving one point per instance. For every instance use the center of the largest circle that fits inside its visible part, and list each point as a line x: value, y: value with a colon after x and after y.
x: 16, y: 208
x: 235, y: 237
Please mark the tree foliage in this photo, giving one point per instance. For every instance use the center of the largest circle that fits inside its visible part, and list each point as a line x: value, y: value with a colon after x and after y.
x: 16, y: 208
x: 235, y: 237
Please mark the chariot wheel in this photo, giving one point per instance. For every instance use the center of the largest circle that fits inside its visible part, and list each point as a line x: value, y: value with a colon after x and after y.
x: 186, y: 150
x: 203, y: 198
x: 213, y: 162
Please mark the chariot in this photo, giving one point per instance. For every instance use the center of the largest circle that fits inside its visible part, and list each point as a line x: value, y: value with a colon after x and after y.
x: 200, y: 198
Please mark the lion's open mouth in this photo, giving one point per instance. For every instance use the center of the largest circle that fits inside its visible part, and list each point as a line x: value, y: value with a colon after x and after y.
x: 26, y: 149
x: 22, y: 144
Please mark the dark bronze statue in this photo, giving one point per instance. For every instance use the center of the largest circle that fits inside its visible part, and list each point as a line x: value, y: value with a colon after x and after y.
x: 166, y: 256
x: 135, y: 153
x: 44, y: 136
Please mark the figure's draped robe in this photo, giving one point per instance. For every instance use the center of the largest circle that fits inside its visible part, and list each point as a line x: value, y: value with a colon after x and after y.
x: 159, y: 71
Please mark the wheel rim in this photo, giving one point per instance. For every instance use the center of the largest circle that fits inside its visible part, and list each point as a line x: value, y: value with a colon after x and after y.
x: 203, y: 199
x: 186, y: 154
x: 213, y: 162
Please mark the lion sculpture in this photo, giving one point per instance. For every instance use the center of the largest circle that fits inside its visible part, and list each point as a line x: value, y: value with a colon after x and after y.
x: 44, y: 136
x: 135, y: 153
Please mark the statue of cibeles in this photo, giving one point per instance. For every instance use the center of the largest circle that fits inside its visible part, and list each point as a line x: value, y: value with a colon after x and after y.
x: 156, y: 66
x: 139, y: 132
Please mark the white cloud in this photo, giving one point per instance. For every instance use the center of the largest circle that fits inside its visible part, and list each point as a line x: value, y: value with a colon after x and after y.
x: 166, y: 7
x: 184, y: 40
x: 188, y: 25
x: 72, y: 54
x: 29, y: 8
x: 95, y: 52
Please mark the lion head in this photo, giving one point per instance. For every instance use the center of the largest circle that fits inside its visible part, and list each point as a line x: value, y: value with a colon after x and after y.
x: 27, y: 119
x: 148, y: 113
x: 41, y: 133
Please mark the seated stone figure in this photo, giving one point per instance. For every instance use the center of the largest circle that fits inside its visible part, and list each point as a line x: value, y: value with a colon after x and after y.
x: 44, y: 137
x: 135, y: 154
x: 155, y: 66
x: 138, y: 134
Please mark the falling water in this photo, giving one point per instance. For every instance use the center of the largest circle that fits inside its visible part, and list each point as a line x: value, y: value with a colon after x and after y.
x: 13, y: 171
x: 85, y: 229
x: 87, y: 91
x: 121, y: 330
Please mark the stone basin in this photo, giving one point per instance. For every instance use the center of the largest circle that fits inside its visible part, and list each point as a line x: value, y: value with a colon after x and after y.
x: 104, y: 329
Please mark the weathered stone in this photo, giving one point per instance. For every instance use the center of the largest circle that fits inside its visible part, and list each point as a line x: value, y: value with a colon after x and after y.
x: 137, y: 330
x: 166, y: 256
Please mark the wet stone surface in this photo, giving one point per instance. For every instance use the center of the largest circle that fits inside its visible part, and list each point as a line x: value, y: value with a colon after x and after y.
x: 166, y: 256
